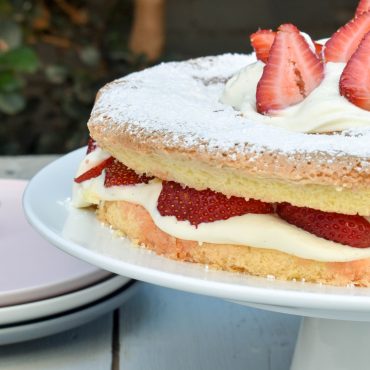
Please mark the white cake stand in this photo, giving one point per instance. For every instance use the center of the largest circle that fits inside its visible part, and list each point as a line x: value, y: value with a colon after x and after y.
x: 335, y: 331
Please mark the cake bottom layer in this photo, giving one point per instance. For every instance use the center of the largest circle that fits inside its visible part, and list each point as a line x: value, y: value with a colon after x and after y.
x: 134, y: 222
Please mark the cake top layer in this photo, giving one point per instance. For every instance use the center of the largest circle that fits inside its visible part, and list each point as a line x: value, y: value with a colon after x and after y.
x: 180, y: 102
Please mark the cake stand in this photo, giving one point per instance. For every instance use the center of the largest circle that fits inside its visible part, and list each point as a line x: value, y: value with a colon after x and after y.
x: 335, y: 330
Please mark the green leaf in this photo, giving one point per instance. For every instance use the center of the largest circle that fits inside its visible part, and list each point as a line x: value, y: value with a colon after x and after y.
x: 11, y: 103
x: 9, y: 82
x: 22, y: 59
x: 10, y: 33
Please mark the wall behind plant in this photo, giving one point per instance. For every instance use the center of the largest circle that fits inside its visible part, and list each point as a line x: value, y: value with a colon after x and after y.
x: 203, y: 27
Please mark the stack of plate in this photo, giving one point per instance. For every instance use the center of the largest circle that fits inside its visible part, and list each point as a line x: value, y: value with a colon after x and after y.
x: 43, y: 290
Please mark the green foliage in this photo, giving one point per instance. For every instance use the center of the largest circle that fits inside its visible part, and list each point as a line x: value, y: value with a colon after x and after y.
x: 16, y: 60
x: 13, y: 63
x: 22, y: 59
x: 10, y: 32
x: 54, y: 56
x: 9, y: 82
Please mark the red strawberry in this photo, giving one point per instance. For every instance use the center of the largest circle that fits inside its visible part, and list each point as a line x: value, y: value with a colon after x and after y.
x: 339, y: 228
x: 293, y: 70
x: 95, y: 171
x: 199, y: 206
x: 354, y: 82
x: 362, y: 7
x: 262, y: 41
x: 345, y: 41
x: 91, y: 145
x: 318, y: 49
x: 116, y: 174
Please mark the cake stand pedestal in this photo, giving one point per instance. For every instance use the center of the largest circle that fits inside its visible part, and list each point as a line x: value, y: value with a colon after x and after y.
x: 332, y: 345
x: 328, y: 339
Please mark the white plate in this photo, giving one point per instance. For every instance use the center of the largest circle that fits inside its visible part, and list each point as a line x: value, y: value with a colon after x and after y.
x: 31, y: 268
x: 39, y: 309
x: 65, y: 321
x: 78, y: 233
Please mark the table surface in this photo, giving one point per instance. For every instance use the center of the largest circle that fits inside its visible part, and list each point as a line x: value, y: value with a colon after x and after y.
x: 158, y: 328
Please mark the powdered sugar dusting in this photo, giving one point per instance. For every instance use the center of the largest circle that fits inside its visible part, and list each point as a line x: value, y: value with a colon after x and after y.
x: 181, y: 102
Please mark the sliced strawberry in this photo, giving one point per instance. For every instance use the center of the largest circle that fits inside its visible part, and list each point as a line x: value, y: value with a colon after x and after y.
x: 116, y: 174
x: 91, y: 145
x: 345, y: 41
x: 362, y: 7
x: 293, y: 70
x: 318, y: 48
x: 354, y: 82
x: 95, y: 171
x: 339, y: 228
x: 262, y: 41
x: 205, y: 205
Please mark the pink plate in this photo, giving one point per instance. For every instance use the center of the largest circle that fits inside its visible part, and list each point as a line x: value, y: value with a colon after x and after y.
x: 30, y: 268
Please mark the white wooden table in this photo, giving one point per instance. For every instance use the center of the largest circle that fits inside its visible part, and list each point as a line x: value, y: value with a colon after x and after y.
x: 158, y: 329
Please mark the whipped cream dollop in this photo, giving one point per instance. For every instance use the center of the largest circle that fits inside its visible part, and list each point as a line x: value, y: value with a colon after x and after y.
x: 324, y: 110
x: 257, y: 230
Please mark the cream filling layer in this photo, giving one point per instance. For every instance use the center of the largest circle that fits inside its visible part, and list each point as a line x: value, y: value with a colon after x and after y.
x: 324, y: 110
x: 91, y: 160
x: 256, y: 230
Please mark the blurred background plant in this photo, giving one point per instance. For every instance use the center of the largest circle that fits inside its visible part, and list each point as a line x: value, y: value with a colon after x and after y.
x: 15, y: 60
x: 54, y: 55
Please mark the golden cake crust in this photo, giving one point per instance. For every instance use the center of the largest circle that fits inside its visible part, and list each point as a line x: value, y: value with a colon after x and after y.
x: 134, y: 222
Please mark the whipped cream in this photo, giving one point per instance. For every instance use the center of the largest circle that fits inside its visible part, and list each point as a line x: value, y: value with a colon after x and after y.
x: 324, y: 110
x: 257, y: 230
x: 91, y: 160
